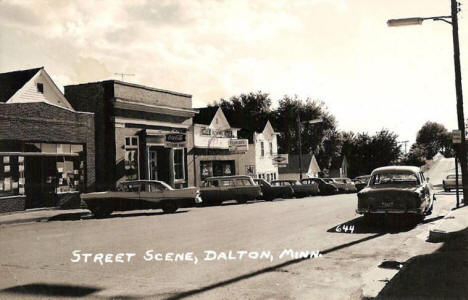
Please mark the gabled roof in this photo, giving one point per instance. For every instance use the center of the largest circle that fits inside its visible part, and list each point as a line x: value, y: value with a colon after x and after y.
x: 205, y: 115
x: 11, y: 82
x: 293, y: 164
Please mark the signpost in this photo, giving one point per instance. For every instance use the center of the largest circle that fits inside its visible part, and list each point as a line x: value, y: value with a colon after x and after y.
x: 456, y: 140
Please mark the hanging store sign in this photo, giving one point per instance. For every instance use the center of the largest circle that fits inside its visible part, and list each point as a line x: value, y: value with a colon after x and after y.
x: 238, y: 145
x: 280, y: 160
x: 175, y: 140
x: 456, y: 137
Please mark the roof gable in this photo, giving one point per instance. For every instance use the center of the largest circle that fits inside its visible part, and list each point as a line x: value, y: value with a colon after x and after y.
x: 50, y: 92
x: 219, y: 120
x: 12, y: 82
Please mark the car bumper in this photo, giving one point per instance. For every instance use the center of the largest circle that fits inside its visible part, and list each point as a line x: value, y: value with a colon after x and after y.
x: 362, y: 211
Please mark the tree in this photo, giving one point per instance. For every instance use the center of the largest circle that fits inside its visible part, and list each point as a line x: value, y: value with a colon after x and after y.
x: 432, y: 138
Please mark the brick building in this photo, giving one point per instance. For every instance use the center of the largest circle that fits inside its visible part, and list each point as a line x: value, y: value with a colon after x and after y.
x: 46, y: 147
x: 141, y: 132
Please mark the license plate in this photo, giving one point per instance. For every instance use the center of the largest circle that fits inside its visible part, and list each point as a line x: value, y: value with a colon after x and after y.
x: 387, y: 204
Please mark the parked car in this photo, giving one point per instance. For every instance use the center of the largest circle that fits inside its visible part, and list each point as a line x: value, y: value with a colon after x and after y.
x: 216, y: 190
x: 271, y: 192
x: 325, y: 188
x: 450, y: 182
x: 331, y: 181
x: 361, y: 182
x: 345, y: 184
x: 300, y: 190
x: 139, y: 194
x: 397, y: 190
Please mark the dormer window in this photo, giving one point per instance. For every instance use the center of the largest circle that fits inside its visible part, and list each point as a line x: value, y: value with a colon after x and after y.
x: 40, y: 88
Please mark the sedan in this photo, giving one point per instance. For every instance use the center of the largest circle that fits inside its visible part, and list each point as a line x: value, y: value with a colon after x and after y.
x: 324, y: 187
x: 271, y: 192
x: 139, y: 194
x: 450, y: 182
x: 397, y: 190
x: 300, y: 190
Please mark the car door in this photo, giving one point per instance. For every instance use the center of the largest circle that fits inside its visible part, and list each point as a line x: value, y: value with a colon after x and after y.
x: 150, y: 192
x: 227, y: 190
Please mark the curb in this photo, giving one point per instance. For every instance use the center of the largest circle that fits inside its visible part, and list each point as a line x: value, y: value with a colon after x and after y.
x: 437, y: 235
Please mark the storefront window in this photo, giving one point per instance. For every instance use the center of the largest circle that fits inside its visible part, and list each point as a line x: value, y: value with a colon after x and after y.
x: 131, y: 158
x: 11, y: 175
x: 206, y: 169
x: 179, y: 169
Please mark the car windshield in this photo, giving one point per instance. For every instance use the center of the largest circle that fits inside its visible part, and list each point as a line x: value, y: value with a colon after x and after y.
x: 394, y: 178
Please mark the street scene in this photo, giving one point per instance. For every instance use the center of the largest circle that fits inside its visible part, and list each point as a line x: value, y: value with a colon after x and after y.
x: 267, y: 149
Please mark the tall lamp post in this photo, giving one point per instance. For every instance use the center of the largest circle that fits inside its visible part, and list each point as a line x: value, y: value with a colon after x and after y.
x: 452, y: 20
x: 299, y: 123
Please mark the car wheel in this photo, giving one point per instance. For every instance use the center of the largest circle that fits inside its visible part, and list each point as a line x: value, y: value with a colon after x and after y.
x: 241, y: 200
x: 101, y: 211
x: 169, y: 207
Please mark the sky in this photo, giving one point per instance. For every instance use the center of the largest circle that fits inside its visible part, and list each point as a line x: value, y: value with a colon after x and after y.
x: 341, y: 52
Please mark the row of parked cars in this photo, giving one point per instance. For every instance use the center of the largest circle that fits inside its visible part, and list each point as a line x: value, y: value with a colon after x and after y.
x: 148, y: 194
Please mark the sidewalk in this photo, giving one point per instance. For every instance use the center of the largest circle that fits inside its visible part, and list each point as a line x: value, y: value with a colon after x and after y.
x: 439, y: 275
x: 41, y: 215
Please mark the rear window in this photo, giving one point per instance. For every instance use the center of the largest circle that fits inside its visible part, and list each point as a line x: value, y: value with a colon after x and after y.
x: 394, y: 178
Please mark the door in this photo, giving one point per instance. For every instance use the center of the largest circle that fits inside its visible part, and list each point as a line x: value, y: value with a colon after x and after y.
x: 152, y: 165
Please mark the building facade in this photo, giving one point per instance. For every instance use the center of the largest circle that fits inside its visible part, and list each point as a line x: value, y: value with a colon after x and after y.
x: 263, y: 147
x: 217, y: 150
x: 46, y: 147
x: 141, y: 132
x: 310, y: 167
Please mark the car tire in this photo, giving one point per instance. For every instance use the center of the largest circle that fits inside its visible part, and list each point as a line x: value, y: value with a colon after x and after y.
x: 101, y: 211
x: 241, y: 200
x: 169, y: 207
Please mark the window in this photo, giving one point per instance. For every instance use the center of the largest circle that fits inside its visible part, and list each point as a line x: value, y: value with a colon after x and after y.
x: 271, y: 148
x: 262, y: 149
x: 179, y: 166
x: 226, y: 183
x: 228, y: 134
x: 131, y: 157
x: 40, y: 88
x: 206, y: 131
x: 243, y: 182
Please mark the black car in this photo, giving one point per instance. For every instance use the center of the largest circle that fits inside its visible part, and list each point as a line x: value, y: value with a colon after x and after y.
x: 324, y: 187
x: 271, y: 192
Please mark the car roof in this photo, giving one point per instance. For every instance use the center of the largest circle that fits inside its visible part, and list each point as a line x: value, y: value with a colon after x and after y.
x: 389, y: 169
x: 229, y: 177
x: 284, y: 180
x: 142, y: 181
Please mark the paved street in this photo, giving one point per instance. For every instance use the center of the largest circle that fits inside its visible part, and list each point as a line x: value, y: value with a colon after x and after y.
x: 36, y: 260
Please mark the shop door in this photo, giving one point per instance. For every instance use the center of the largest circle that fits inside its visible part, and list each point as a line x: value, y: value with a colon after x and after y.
x: 40, y: 176
x: 152, y: 165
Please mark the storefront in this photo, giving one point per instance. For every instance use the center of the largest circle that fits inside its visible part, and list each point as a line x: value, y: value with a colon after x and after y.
x: 45, y: 174
x: 143, y: 132
x: 45, y: 156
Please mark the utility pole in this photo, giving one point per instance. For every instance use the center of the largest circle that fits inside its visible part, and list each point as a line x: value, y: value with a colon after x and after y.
x: 124, y: 74
x: 459, y: 92
x: 452, y: 20
x: 300, y: 144
x: 404, y: 142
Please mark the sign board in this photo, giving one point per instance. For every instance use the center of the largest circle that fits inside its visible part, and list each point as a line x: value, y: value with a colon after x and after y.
x: 456, y: 136
x: 238, y: 145
x: 280, y: 160
x: 175, y: 140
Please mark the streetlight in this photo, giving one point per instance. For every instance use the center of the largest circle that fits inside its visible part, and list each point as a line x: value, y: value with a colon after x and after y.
x: 452, y: 20
x: 314, y: 121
